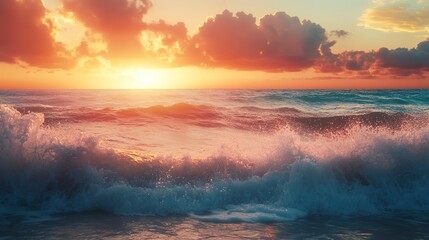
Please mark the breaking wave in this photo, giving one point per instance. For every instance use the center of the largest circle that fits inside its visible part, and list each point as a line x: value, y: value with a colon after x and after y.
x: 373, y: 169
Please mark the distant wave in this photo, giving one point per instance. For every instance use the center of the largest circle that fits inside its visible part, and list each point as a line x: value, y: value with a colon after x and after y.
x: 205, y: 116
x: 246, y: 118
x: 364, y: 172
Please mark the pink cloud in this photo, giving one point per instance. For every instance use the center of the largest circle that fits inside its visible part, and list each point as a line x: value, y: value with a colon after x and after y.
x: 278, y: 43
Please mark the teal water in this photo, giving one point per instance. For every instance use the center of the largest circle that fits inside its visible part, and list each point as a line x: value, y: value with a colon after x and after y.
x: 226, y: 164
x: 106, y: 226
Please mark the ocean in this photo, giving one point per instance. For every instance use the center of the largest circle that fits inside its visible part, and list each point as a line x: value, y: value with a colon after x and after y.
x: 219, y: 164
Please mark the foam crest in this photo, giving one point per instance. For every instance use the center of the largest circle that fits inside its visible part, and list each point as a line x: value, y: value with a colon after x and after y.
x: 251, y: 213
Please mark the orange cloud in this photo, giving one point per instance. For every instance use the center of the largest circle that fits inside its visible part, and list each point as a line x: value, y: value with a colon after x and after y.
x: 128, y: 39
x: 25, y: 36
x: 117, y: 34
x: 278, y: 43
x: 164, y: 43
x: 398, y: 16
x: 118, y: 21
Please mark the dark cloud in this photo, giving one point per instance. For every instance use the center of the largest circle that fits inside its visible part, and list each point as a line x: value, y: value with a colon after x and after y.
x: 403, y: 61
x: 339, y: 33
x: 403, y: 58
x: 400, y: 61
x: 325, y: 48
x: 358, y: 60
x: 25, y: 35
x: 346, y: 61
x: 423, y: 46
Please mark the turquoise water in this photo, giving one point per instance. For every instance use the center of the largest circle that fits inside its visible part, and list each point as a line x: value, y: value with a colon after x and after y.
x: 106, y: 226
x: 200, y: 163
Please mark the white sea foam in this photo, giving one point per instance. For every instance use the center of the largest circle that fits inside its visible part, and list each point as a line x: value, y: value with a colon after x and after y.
x: 251, y: 213
x: 365, y: 171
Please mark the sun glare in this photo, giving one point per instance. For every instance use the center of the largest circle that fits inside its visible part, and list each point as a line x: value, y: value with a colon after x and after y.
x: 143, y: 78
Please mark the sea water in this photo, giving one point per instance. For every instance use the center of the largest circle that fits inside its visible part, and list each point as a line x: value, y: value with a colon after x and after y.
x: 255, y: 164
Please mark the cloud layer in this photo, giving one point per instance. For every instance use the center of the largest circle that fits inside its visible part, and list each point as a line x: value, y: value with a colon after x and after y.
x: 275, y: 43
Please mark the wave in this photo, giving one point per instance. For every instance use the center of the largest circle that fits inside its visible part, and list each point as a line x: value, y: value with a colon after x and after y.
x: 249, y: 118
x: 307, y: 123
x: 364, y: 172
x: 201, y: 115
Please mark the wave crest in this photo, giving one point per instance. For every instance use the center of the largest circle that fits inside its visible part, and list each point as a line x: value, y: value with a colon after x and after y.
x: 250, y: 118
x: 365, y: 172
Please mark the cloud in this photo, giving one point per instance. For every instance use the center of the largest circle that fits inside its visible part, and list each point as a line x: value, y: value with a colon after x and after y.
x: 128, y: 39
x: 403, y: 61
x: 347, y: 62
x: 397, y: 62
x: 26, y: 36
x: 339, y: 33
x: 164, y: 42
x: 278, y: 43
x: 117, y: 35
x: 398, y: 16
x: 118, y: 21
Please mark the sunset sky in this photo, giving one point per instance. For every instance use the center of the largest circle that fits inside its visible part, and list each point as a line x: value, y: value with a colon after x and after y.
x: 293, y: 44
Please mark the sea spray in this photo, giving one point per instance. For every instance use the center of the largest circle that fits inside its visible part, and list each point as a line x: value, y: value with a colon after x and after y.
x: 364, y: 171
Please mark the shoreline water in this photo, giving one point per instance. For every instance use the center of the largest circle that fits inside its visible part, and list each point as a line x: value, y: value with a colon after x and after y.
x: 108, y: 226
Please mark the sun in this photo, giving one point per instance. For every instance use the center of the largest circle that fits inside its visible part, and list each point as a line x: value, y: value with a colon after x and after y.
x: 142, y: 78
